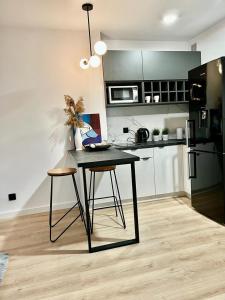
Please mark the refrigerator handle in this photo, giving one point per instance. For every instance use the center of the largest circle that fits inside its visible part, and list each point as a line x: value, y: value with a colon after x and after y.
x: 190, y: 154
x: 190, y: 137
x: 187, y: 133
x: 191, y: 93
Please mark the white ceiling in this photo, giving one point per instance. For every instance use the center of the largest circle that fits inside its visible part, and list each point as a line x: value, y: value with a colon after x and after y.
x: 116, y: 19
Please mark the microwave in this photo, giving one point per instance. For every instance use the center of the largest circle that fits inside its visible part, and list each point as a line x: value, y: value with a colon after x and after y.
x: 123, y: 94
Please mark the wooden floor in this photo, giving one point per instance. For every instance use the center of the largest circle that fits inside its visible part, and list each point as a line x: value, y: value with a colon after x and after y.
x: 181, y: 256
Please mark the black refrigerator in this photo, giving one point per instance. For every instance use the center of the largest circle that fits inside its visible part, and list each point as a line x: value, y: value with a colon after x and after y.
x: 206, y: 139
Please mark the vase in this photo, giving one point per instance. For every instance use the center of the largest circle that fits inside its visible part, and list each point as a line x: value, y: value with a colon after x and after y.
x: 165, y: 137
x: 78, y: 139
x: 69, y: 141
x: 155, y: 138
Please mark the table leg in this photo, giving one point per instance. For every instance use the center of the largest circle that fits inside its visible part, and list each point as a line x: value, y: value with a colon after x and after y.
x: 135, y: 211
x: 88, y: 227
x: 134, y: 191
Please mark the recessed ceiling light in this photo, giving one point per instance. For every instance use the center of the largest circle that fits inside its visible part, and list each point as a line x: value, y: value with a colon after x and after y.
x: 170, y: 18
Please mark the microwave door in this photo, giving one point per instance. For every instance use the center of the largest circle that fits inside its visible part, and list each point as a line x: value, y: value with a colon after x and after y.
x: 123, y: 94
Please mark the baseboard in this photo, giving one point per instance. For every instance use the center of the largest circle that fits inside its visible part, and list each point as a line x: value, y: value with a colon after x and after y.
x: 148, y: 198
x: 41, y: 209
x: 33, y: 210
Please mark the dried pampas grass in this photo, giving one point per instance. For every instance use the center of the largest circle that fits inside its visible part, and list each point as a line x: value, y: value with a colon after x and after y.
x: 73, y: 111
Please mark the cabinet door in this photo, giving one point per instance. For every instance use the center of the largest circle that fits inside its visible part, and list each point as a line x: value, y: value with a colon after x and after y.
x: 168, y: 163
x: 159, y: 65
x: 122, y: 65
x: 144, y: 172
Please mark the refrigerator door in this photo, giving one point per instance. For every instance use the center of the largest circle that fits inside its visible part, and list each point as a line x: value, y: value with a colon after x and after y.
x: 207, y: 184
x: 205, y: 107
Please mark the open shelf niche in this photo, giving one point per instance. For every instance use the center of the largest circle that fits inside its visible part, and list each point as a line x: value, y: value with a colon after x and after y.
x: 155, y: 92
x: 166, y: 91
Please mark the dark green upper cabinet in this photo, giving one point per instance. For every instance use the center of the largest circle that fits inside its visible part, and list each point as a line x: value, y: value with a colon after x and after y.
x: 122, y: 65
x: 159, y: 65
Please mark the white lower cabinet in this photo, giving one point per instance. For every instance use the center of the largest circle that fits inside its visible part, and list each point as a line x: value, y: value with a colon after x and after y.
x: 145, y: 178
x: 159, y: 171
x: 168, y: 163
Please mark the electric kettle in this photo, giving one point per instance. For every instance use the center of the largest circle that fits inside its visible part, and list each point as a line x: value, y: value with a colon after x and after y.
x: 142, y: 135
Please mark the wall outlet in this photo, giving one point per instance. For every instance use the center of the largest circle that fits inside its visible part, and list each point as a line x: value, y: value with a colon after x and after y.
x: 125, y: 129
x: 12, y: 197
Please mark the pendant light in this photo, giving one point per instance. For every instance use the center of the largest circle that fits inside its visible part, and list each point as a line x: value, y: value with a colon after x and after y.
x: 99, y: 47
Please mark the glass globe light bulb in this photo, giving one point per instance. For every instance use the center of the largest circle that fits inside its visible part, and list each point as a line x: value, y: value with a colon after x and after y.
x: 100, y: 47
x: 84, y: 63
x: 94, y: 61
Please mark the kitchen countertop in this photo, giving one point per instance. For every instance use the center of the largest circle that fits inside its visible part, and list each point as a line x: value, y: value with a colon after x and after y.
x: 149, y: 144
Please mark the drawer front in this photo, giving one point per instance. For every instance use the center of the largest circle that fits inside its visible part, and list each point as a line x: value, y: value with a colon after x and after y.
x: 144, y: 154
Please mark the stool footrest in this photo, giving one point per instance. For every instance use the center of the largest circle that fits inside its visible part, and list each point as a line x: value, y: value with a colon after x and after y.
x: 65, y: 229
x: 105, y: 207
x: 91, y: 199
x: 64, y: 215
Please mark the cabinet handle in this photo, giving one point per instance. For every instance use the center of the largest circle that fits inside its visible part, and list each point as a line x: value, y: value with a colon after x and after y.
x: 146, y: 158
x: 191, y: 140
x: 190, y: 154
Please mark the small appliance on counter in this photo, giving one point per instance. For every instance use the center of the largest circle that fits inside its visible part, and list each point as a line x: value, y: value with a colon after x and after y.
x: 179, y: 132
x: 142, y: 135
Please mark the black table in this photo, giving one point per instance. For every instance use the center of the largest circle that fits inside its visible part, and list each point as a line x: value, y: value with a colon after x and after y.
x: 108, y: 157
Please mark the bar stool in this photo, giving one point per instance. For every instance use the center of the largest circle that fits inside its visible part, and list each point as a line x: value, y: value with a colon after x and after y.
x: 59, y: 173
x: 117, y: 199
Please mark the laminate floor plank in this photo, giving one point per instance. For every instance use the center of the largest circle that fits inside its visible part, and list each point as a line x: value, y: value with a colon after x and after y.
x: 181, y: 256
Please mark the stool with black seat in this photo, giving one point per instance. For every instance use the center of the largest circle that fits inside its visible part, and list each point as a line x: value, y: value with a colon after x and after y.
x: 116, y: 196
x: 59, y: 173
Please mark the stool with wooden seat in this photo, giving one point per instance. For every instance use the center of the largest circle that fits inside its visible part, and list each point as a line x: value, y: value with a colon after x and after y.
x: 116, y: 198
x: 59, y: 173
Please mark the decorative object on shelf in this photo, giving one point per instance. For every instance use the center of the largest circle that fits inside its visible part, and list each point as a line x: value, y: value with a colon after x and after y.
x: 156, y: 98
x: 91, y: 129
x: 100, y: 47
x: 73, y: 111
x: 165, y: 133
x: 155, y: 134
x: 147, y: 99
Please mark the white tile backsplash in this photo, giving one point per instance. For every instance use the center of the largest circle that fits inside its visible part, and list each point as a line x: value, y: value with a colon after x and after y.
x: 170, y: 120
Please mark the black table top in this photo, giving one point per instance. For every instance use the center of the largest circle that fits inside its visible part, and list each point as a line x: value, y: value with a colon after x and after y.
x: 111, y: 156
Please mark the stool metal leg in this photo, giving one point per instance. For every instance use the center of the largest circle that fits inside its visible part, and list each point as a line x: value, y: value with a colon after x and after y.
x: 78, y: 198
x: 114, y: 197
x: 117, y: 200
x: 51, y: 211
x: 120, y: 207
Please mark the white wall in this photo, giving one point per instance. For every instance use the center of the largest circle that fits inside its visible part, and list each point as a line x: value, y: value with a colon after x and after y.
x: 211, y: 43
x: 37, y: 67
